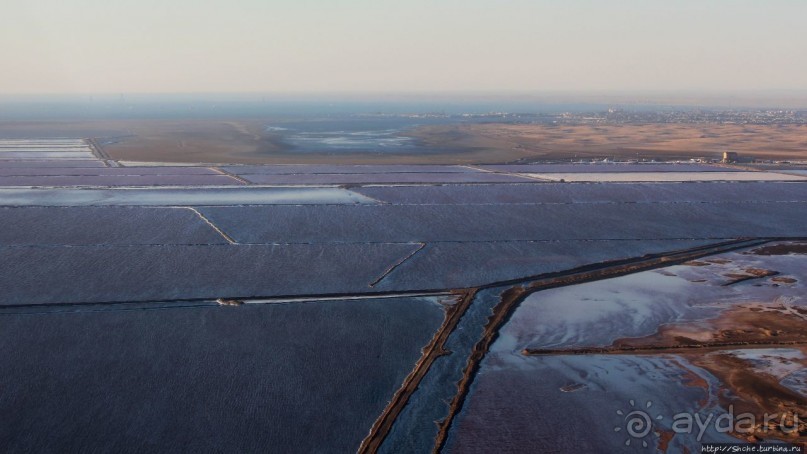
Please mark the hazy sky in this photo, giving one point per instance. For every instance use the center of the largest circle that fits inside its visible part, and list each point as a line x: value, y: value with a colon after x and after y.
x: 131, y: 46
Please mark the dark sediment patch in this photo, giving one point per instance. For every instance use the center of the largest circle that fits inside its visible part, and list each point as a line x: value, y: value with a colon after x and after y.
x: 713, y: 346
x: 780, y: 249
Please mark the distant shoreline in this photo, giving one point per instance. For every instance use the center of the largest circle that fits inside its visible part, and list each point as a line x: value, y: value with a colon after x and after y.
x: 247, y: 141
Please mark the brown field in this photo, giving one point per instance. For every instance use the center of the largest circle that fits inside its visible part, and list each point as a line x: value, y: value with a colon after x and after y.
x: 186, y: 141
x: 753, y: 391
x: 195, y: 141
x: 246, y: 142
x: 649, y: 141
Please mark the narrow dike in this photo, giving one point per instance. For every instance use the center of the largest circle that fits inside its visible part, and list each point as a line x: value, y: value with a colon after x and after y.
x: 658, y: 349
x: 431, y: 352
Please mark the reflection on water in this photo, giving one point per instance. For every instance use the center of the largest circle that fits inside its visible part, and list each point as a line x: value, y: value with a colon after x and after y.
x: 343, y: 134
x: 355, y: 140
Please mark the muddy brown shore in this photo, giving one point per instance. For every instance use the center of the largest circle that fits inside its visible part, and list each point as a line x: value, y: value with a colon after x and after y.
x: 715, y: 346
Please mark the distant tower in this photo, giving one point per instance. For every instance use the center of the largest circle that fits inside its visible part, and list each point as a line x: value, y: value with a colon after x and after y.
x: 730, y: 156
